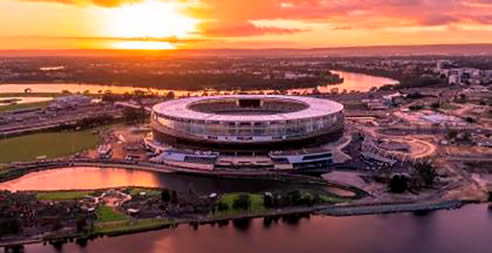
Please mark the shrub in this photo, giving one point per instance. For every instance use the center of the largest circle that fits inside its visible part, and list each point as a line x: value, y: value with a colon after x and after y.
x: 243, y: 201
x: 294, y: 197
x: 165, y: 195
x: 174, y: 197
x: 268, y: 200
x: 435, y: 105
x: 398, y: 184
x: 470, y: 120
x: 222, y: 207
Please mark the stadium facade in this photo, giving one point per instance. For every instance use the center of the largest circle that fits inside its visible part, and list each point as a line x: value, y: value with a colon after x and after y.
x: 242, y: 123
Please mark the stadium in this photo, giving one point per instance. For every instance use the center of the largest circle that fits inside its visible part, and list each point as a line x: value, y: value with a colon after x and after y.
x: 240, y: 123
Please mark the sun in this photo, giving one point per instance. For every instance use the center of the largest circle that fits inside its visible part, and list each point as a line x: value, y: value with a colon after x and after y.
x: 148, y: 19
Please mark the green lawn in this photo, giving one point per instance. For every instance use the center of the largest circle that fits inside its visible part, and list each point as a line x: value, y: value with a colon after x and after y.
x: 62, y: 195
x: 132, y: 226
x: 333, y: 199
x: 134, y: 191
x: 257, y: 206
x: 51, y: 145
x: 6, y: 108
x: 108, y: 214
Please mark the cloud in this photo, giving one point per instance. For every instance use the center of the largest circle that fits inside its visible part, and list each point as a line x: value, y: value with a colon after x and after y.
x: 171, y: 39
x: 216, y: 29
x: 102, y: 3
x: 236, y: 17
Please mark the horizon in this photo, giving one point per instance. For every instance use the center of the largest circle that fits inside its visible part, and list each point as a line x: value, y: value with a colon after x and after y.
x: 375, y: 50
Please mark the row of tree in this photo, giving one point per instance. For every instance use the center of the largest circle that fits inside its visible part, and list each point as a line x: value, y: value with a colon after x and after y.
x: 424, y: 176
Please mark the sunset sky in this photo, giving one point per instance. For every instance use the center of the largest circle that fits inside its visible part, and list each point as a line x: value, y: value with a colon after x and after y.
x: 169, y: 24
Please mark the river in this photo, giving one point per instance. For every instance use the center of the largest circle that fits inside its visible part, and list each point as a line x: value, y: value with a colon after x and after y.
x: 352, y: 82
x: 464, y: 230
x: 87, y: 178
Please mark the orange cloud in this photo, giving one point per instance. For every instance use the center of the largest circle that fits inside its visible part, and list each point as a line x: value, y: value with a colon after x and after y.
x: 102, y: 3
x: 223, y: 18
x: 216, y: 29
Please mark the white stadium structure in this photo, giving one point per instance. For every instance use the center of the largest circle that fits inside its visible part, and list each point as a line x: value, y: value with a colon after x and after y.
x: 237, y: 123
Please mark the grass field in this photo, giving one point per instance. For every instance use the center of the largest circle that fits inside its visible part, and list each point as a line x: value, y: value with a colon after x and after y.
x: 332, y: 199
x: 128, y: 227
x: 134, y: 191
x: 108, y: 214
x: 62, y: 195
x: 51, y: 145
x: 23, y: 106
x: 257, y: 206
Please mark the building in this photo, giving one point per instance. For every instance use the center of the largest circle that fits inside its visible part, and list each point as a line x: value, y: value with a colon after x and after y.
x: 193, y: 160
x: 71, y: 101
x: 240, y: 123
x: 463, y: 76
x: 246, y: 132
x: 302, y: 159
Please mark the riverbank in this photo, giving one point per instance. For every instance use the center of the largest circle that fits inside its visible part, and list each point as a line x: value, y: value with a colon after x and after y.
x: 145, y: 225
x: 359, y: 82
x: 118, y: 211
x: 466, y: 229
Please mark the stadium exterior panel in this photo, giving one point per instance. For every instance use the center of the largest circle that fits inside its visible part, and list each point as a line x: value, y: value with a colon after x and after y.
x: 247, y: 122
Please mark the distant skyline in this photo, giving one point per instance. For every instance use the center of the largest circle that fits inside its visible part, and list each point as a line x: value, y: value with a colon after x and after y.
x: 198, y: 24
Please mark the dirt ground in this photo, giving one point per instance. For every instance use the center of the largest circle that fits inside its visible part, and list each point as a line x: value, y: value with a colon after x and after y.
x: 125, y: 140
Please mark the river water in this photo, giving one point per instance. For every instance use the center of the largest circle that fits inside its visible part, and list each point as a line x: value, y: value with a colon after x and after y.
x: 464, y: 230
x: 86, y: 178
x: 352, y: 82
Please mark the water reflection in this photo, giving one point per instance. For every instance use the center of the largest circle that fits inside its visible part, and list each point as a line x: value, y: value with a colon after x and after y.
x: 463, y: 230
x: 97, y: 178
x: 352, y: 81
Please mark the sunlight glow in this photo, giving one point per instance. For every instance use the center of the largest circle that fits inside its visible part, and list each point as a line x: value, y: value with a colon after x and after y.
x: 148, y: 19
x: 146, y: 45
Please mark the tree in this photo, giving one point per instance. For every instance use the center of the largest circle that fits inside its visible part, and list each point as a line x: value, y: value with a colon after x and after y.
x: 398, y: 183
x: 462, y: 97
x: 170, y: 95
x: 56, y: 224
x: 165, y: 195
x: 243, y: 201
x: 222, y: 207
x: 426, y: 172
x: 81, y: 223
x: 466, y: 137
x: 174, y: 197
x: 268, y: 200
x: 435, y: 105
x: 294, y: 197
x: 452, y: 134
x: 9, y: 226
x: 470, y: 120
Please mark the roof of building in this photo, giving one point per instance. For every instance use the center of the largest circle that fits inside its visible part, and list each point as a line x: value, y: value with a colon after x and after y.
x: 179, y: 108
